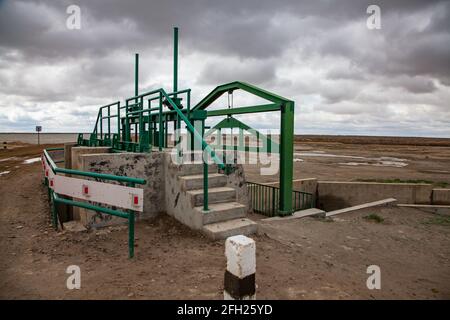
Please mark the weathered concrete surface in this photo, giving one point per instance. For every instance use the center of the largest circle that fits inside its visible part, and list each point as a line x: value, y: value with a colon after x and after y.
x: 68, y: 154
x: 441, y: 196
x: 384, y: 202
x: 148, y: 166
x: 177, y: 202
x: 76, y: 152
x: 225, y: 229
x: 333, y: 195
x: 75, y: 163
x: 236, y: 180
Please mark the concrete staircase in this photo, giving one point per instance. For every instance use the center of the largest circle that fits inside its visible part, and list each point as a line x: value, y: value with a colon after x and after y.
x: 226, y: 217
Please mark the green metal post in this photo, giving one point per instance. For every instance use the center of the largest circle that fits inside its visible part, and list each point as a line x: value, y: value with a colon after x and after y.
x: 109, y: 121
x: 131, y: 234
x: 160, y: 127
x: 205, y: 174
x: 54, y: 213
x: 136, y: 75
x: 286, y: 157
x: 118, y: 120
x: 175, y: 60
x: 131, y: 218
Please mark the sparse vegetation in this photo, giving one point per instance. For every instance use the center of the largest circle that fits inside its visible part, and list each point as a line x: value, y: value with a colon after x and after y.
x: 441, y: 184
x: 374, y: 217
x: 439, y: 220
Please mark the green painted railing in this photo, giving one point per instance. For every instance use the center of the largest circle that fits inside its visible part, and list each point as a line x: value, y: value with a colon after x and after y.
x: 55, y: 198
x: 265, y: 199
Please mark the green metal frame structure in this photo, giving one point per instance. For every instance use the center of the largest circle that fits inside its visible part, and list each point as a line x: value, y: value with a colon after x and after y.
x: 151, y: 113
x: 54, y: 198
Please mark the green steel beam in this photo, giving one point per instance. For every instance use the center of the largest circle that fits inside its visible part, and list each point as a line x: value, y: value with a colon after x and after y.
x: 241, y: 110
x: 286, y: 157
x: 218, y: 91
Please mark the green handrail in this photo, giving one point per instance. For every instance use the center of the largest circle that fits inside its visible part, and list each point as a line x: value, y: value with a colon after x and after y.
x: 103, y: 176
x: 130, y: 215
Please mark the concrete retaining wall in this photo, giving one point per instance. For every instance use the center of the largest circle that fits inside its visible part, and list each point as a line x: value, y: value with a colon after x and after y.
x: 333, y: 195
x: 148, y: 166
x: 305, y: 185
x: 441, y: 196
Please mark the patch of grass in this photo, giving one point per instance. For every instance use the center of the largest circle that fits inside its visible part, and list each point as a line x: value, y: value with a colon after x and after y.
x: 374, y: 217
x: 439, y: 220
x: 441, y: 184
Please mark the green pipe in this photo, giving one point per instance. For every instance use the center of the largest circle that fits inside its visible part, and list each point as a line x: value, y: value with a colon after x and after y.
x: 89, y: 206
x: 191, y: 128
x: 104, y: 176
x: 160, y: 137
x: 175, y: 60
x: 136, y: 74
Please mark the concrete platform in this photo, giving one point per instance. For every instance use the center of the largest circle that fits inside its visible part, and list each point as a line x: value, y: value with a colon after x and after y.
x: 384, y: 202
x: 223, y: 230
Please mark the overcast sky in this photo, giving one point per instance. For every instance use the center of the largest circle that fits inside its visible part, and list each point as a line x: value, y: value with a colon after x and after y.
x: 344, y: 77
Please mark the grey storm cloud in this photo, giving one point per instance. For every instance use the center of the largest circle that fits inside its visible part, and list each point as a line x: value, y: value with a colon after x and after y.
x: 318, y: 52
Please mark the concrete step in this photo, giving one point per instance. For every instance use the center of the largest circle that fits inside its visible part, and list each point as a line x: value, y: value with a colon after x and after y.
x: 195, y: 168
x: 225, y: 229
x: 196, y: 181
x: 219, y: 212
x: 215, y: 195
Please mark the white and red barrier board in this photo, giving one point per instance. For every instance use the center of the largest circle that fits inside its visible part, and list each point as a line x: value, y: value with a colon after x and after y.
x: 95, y: 191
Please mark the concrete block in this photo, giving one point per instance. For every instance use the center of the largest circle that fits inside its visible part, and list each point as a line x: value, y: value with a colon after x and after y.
x: 441, y: 196
x: 222, y: 230
x: 333, y: 195
x: 240, y: 252
x: 148, y: 166
x: 305, y: 185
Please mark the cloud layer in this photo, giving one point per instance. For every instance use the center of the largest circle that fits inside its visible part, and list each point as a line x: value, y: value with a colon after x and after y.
x: 344, y: 78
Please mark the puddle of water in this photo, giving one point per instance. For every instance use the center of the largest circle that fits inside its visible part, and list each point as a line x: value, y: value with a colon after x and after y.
x: 32, y: 160
x: 377, y: 162
x: 4, y: 172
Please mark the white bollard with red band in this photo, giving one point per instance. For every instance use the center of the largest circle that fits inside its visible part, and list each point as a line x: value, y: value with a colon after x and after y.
x: 239, y: 280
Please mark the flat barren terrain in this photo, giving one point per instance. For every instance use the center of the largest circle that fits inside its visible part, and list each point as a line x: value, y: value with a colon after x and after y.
x: 307, y: 258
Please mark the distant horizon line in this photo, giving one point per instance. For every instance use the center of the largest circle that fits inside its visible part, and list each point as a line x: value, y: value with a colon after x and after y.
x: 295, y: 134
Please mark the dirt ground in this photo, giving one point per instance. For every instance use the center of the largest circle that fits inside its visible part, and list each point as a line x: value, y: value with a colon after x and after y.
x: 425, y: 158
x: 306, y: 258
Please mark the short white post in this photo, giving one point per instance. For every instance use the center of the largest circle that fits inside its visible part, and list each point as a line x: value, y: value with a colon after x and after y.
x: 239, y: 280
